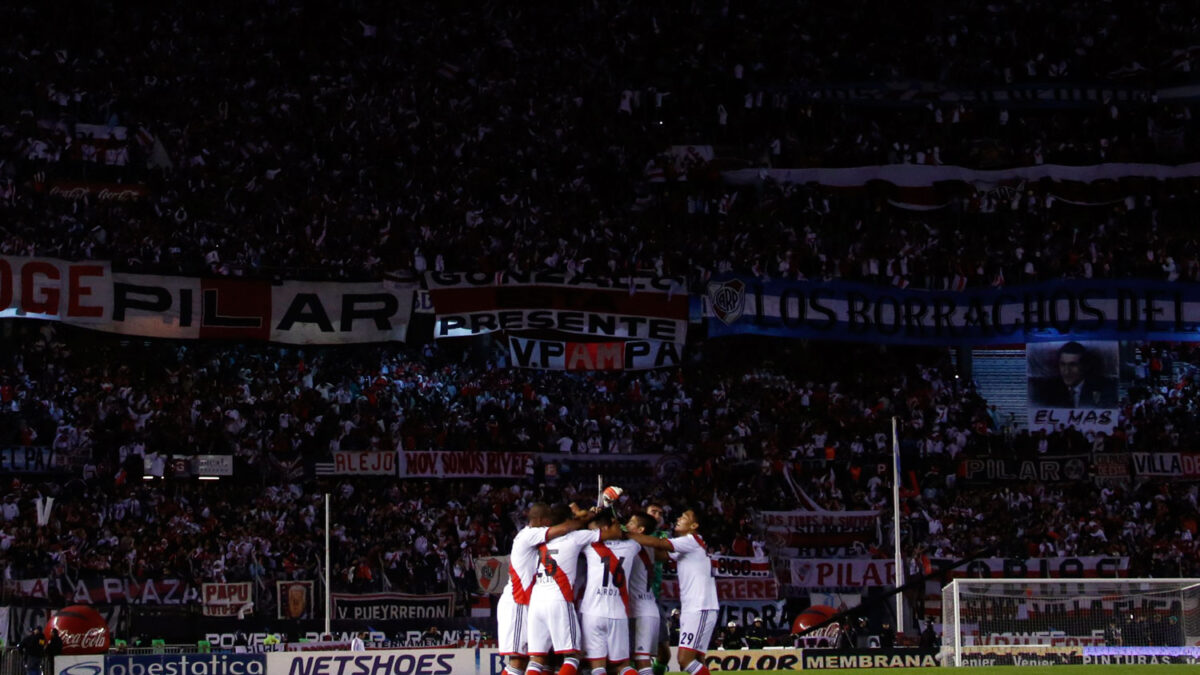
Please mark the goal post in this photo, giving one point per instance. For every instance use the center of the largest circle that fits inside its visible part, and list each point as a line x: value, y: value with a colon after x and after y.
x: 992, y: 621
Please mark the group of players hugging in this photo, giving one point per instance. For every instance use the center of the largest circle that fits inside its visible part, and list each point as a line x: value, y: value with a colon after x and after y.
x: 542, y: 615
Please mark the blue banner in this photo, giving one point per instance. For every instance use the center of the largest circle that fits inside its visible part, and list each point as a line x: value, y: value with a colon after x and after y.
x: 856, y: 312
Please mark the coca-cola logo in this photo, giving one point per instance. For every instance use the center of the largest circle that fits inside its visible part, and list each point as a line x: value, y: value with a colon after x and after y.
x: 126, y: 195
x: 102, y: 192
x: 92, y: 638
x: 69, y: 193
x: 82, y: 630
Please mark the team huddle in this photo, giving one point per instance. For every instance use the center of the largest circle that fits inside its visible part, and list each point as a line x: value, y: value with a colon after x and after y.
x: 616, y: 621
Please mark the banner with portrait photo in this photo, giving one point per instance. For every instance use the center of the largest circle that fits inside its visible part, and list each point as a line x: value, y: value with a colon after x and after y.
x: 1073, y: 384
x: 295, y: 599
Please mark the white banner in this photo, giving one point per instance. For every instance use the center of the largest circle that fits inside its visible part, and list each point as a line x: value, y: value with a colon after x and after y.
x: 366, y: 463
x: 90, y: 294
x: 837, y: 573
x: 227, y: 599
x: 436, y: 661
x: 640, y: 308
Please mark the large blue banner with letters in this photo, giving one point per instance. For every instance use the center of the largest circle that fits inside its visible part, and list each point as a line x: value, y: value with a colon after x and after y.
x: 1104, y: 310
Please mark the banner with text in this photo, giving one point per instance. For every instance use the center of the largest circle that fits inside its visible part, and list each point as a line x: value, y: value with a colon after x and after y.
x: 448, y: 464
x: 641, y: 308
x: 1073, y: 384
x: 616, y: 355
x: 228, y: 599
x: 106, y: 591
x: 790, y: 532
x: 1167, y: 464
x: 840, y: 573
x: 360, y: 464
x: 27, y: 459
x: 392, y: 606
x: 736, y: 590
x: 90, y: 294
x: 859, y: 312
x: 732, y: 566
x: 1041, y: 470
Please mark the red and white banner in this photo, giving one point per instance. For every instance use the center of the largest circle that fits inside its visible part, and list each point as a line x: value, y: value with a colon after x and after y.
x: 789, y: 532
x: 615, y: 355
x: 447, y: 464
x: 641, y: 308
x: 227, y: 599
x: 90, y: 294
x: 730, y: 589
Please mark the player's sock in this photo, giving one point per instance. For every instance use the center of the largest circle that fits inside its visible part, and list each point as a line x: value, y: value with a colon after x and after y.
x: 697, y: 668
x: 647, y: 671
x: 658, y: 667
x: 534, y: 668
x: 628, y: 670
x: 511, y: 670
x: 598, y: 671
x: 570, y: 666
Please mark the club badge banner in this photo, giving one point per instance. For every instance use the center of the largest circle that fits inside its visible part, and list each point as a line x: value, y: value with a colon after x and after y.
x: 1108, y: 310
x: 91, y: 295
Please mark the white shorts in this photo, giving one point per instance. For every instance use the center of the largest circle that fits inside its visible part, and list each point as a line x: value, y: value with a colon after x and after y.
x: 605, y: 638
x: 645, y: 635
x: 511, y: 638
x: 553, y: 626
x: 696, y: 629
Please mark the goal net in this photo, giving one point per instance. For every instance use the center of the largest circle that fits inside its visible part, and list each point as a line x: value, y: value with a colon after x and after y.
x: 1043, y: 621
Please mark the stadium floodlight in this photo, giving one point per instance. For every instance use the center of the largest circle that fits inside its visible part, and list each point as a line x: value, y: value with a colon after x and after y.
x: 990, y: 621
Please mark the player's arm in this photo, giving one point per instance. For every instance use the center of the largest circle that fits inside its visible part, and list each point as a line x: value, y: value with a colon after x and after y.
x: 581, y: 519
x: 655, y: 543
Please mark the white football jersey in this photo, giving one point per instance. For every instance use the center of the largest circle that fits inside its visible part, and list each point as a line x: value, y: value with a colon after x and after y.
x: 522, y: 563
x: 558, y: 566
x: 697, y: 588
x: 609, y: 566
x: 641, y: 584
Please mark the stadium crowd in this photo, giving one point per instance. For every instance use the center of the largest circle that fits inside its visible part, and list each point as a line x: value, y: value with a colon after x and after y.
x: 362, y: 142
x: 434, y: 141
x: 751, y: 436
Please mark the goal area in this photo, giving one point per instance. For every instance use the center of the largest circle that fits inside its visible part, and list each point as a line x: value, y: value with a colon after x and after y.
x: 1052, y: 621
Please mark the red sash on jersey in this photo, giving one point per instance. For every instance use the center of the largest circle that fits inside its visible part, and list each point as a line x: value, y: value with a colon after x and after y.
x: 614, y: 571
x: 645, y: 558
x: 560, y: 577
x: 520, y: 593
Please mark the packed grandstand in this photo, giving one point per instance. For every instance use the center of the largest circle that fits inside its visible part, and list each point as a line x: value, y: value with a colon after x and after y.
x: 431, y: 267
